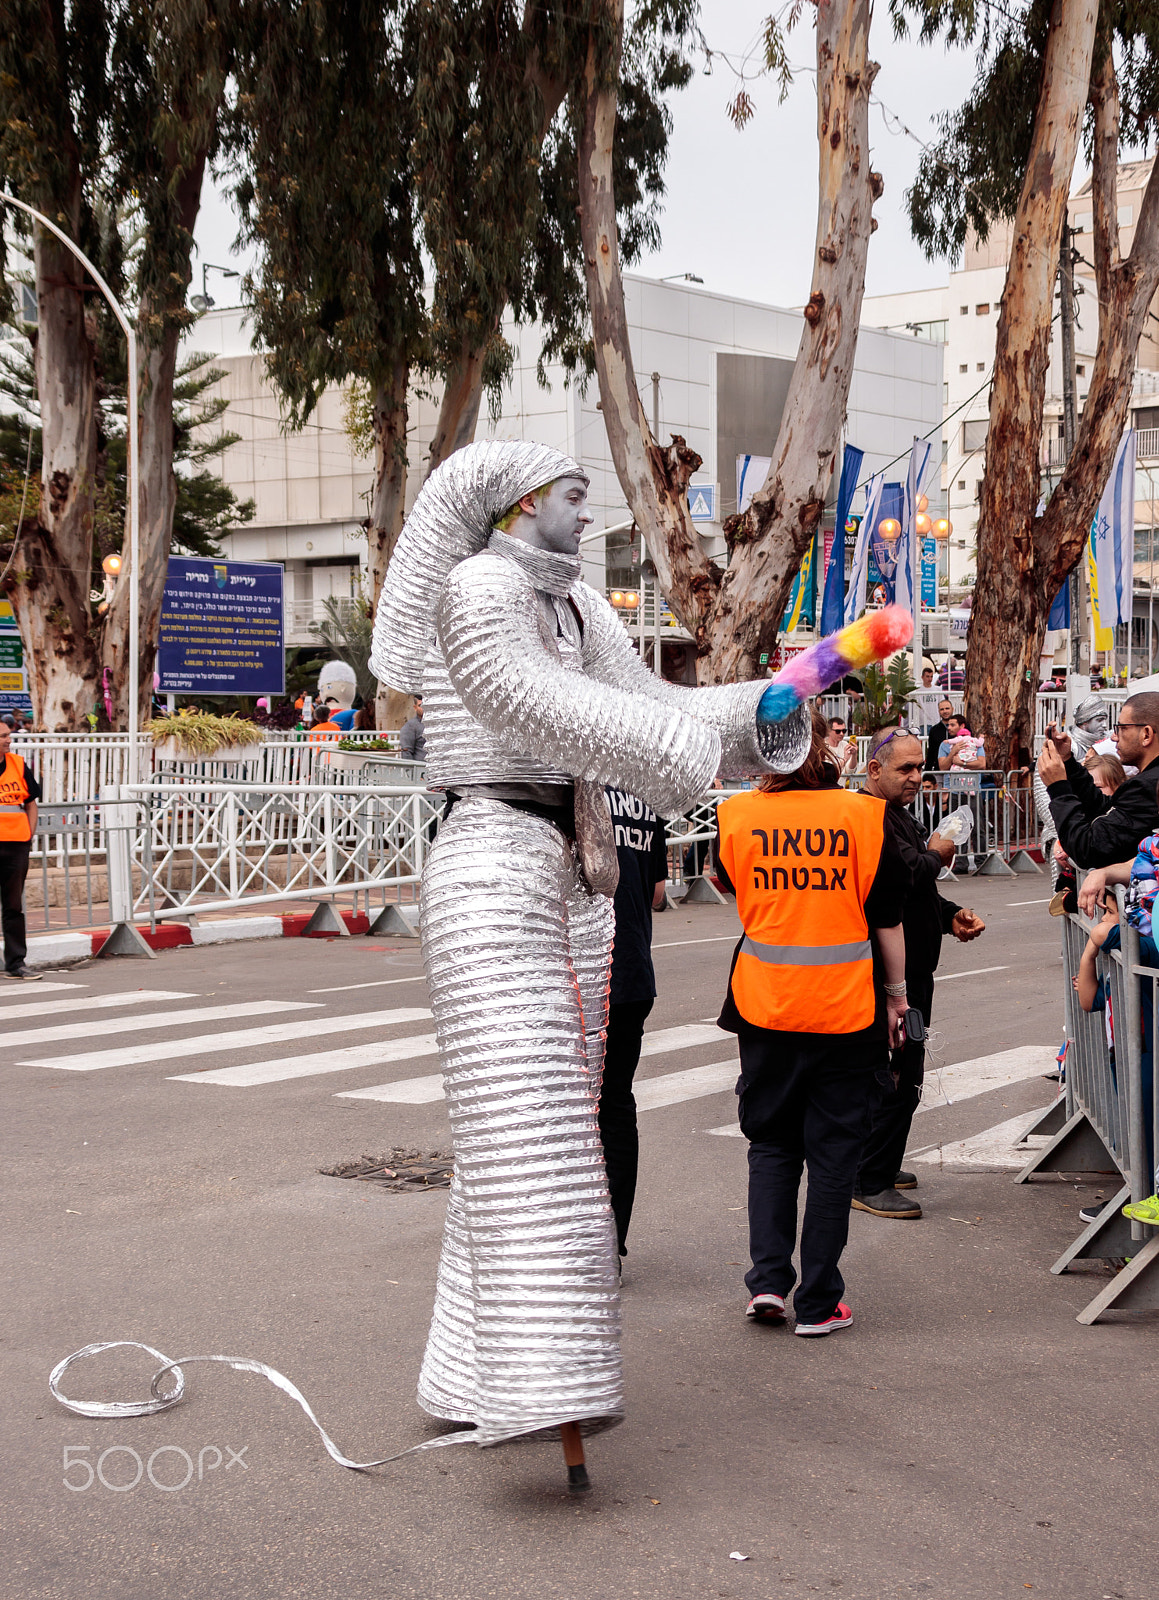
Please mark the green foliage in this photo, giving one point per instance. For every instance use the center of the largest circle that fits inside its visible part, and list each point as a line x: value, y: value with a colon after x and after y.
x: 885, y: 696
x: 899, y: 680
x: 656, y: 62
x: 972, y: 174
x: 368, y: 134
x: 475, y: 149
x: 324, y: 181
x: 201, y: 733
x: 55, y: 100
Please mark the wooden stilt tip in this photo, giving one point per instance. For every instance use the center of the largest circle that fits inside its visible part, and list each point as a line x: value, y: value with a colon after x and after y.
x: 573, y: 1454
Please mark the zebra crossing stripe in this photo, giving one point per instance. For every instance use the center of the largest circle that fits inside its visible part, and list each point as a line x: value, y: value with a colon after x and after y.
x: 161, y: 1019
x: 378, y: 1054
x: 965, y: 1080
x: 674, y: 1087
x: 95, y: 1002
x: 14, y: 993
x: 424, y: 1091
x: 220, y: 1043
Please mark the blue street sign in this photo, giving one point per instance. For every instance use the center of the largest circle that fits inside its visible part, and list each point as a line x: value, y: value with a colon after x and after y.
x: 702, y: 502
x: 222, y: 628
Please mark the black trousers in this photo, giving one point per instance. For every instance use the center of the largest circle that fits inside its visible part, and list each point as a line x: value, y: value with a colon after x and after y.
x: 617, y: 1114
x: 14, y: 855
x: 806, y: 1100
x: 885, y: 1148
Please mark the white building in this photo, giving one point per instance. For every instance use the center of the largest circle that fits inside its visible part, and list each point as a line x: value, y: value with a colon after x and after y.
x: 711, y: 368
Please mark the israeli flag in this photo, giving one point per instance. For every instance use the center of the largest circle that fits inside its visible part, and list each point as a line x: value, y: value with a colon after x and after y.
x: 858, y: 577
x: 1113, y: 536
x: 908, y: 543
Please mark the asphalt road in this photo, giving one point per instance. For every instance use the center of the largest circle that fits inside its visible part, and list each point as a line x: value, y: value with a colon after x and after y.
x: 966, y: 1438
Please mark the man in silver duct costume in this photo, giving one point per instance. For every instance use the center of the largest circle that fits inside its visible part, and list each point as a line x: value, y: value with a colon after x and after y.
x: 534, y: 698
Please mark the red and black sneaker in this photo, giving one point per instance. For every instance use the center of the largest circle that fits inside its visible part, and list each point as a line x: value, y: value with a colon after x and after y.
x: 841, y: 1318
x: 766, y: 1308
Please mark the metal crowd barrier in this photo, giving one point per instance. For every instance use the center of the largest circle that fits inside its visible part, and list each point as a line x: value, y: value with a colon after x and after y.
x: 67, y: 871
x: 1107, y: 1123
x: 214, y: 846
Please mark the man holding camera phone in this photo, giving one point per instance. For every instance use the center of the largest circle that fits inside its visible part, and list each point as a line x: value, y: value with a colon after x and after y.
x: 894, y: 775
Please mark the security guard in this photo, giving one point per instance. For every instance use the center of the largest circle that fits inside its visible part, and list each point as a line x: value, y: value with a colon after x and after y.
x: 819, y: 883
x: 19, y: 792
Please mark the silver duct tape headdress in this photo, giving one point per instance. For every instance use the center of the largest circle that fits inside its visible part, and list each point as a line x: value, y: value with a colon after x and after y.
x: 784, y: 745
x: 452, y: 519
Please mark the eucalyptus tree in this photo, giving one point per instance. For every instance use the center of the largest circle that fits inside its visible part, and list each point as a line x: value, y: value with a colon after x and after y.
x: 1047, y: 75
x: 55, y: 99
x: 734, y: 615
x: 110, y: 111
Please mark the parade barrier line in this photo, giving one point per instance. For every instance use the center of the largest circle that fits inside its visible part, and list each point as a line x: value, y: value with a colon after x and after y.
x: 175, y: 849
x: 1104, y: 1124
x: 113, y: 1409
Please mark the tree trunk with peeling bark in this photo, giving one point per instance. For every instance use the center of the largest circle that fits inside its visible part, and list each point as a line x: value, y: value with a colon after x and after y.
x: 387, y: 507
x: 1008, y: 617
x: 1126, y: 289
x: 160, y: 320
x: 459, y: 407
x: 50, y: 577
x: 654, y: 481
x: 734, y: 616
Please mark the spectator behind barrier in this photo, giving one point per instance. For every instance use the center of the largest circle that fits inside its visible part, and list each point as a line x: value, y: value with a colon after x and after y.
x: 938, y: 734
x: 1106, y: 771
x: 1095, y: 829
x: 959, y: 751
x: 1140, y: 878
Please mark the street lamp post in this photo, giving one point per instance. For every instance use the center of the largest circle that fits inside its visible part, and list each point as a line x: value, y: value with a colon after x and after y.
x: 134, y: 466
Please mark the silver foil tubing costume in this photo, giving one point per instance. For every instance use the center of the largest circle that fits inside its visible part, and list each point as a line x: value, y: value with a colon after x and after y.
x: 526, y: 1327
x: 519, y: 689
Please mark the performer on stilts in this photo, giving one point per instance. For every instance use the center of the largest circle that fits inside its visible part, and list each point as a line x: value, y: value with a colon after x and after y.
x: 534, y: 698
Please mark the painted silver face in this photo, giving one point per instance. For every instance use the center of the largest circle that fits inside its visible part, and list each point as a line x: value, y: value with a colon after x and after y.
x: 559, y: 518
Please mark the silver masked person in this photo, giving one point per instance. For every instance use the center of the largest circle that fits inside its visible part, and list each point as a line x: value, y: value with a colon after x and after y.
x: 1091, y: 722
x: 534, y: 698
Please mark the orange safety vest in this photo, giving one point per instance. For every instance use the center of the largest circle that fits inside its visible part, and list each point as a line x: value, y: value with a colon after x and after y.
x: 802, y: 863
x: 15, y: 827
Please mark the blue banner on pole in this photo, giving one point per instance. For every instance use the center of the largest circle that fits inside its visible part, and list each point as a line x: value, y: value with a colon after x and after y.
x: 930, y: 573
x: 1059, y: 617
x: 882, y: 552
x: 833, y: 605
x: 222, y: 628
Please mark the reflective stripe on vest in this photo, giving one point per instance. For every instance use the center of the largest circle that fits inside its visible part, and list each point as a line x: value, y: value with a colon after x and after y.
x: 15, y: 827
x: 807, y: 955
x: 802, y: 863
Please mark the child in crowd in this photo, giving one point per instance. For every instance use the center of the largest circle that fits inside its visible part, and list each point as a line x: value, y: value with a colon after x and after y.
x: 1094, y: 992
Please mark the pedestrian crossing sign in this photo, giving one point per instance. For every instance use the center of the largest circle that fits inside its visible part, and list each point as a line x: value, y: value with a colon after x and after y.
x: 702, y: 502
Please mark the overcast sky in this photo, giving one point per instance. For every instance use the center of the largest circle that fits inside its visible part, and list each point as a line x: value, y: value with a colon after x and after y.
x: 741, y: 208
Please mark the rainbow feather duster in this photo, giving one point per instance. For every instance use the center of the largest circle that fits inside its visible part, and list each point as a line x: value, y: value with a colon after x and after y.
x: 871, y: 638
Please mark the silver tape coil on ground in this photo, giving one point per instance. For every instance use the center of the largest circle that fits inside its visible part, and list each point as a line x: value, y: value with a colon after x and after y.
x: 111, y: 1409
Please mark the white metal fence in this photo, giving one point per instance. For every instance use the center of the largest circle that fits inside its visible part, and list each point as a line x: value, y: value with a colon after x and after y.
x: 223, y: 845
x: 75, y: 767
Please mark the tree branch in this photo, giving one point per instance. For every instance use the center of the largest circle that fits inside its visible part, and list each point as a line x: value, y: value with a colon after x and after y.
x: 1104, y: 99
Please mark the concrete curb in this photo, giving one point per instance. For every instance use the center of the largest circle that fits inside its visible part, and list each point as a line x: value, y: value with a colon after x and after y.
x: 51, y: 949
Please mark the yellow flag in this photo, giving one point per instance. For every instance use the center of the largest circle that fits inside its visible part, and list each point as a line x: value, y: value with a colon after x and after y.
x: 1104, y: 637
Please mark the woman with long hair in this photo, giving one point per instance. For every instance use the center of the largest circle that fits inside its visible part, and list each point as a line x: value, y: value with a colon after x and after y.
x: 816, y: 997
